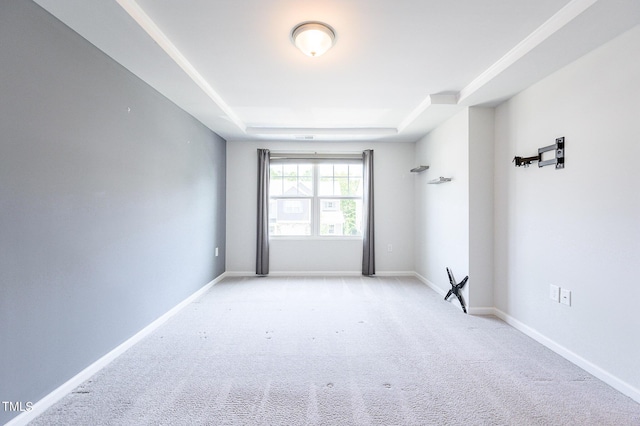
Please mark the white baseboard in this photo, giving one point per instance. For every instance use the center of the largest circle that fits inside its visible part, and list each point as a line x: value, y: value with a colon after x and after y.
x: 431, y: 285
x: 295, y: 274
x: 481, y: 311
x: 240, y: 273
x: 42, y: 405
x: 314, y: 273
x: 605, y: 376
x: 320, y: 273
x: 396, y: 274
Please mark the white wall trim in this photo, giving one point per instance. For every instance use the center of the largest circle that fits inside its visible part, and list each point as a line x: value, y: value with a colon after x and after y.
x: 63, y: 390
x: 240, y: 273
x: 296, y: 273
x: 320, y: 273
x: 482, y: 311
x: 431, y: 285
x: 314, y: 273
x: 554, y: 24
x: 395, y: 274
x: 571, y: 356
x: 149, y: 26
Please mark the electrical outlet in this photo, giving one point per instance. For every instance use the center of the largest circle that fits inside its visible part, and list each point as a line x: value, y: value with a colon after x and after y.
x: 565, y: 297
x: 554, y: 292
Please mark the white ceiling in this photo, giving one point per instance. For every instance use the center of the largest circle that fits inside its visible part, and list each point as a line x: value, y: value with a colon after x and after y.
x: 397, y: 70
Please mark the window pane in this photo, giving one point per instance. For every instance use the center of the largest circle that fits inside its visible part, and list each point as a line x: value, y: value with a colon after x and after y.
x: 290, y: 186
x: 290, y: 216
x: 290, y: 169
x: 355, y: 170
x: 305, y: 180
x: 275, y: 186
x: 340, y: 217
x: 325, y: 186
x: 275, y: 170
x: 340, y: 179
x: 355, y: 186
x: 341, y: 186
x: 341, y: 169
x: 326, y: 170
x: 305, y: 186
x: 295, y: 179
x: 305, y: 170
x: 275, y: 180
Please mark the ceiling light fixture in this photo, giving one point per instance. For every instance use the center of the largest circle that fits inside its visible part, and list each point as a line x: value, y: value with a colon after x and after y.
x: 313, y: 38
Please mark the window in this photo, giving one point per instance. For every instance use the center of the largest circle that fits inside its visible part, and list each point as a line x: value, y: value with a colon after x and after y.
x: 315, y: 198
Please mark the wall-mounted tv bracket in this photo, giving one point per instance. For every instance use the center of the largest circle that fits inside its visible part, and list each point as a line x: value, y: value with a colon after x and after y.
x: 455, y: 289
x: 558, y: 147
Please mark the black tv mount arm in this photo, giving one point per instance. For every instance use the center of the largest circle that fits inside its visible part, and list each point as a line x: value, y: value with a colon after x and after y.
x: 525, y: 161
x: 558, y: 147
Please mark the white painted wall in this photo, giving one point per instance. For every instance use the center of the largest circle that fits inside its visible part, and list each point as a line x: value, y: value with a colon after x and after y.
x: 442, y: 210
x: 578, y: 228
x: 393, y: 204
x: 454, y: 220
x: 481, y: 139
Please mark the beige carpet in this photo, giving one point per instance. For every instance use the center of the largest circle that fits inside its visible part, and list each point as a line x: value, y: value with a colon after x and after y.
x: 338, y: 351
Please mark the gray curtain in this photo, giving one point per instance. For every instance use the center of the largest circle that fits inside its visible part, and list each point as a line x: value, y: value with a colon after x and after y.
x: 262, y: 246
x: 368, y: 252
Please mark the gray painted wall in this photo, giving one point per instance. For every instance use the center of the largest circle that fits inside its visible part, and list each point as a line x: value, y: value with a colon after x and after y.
x: 112, y: 201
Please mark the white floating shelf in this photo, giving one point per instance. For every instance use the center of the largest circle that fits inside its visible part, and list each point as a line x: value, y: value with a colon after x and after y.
x: 440, y: 180
x: 419, y: 169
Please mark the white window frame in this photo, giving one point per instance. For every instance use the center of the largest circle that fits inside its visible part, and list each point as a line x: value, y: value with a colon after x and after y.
x: 316, y: 199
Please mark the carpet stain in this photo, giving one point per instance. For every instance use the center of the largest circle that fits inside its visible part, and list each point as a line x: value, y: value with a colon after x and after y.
x: 580, y: 379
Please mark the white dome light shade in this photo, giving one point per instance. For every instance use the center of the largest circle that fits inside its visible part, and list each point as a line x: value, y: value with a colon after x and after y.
x: 313, y: 38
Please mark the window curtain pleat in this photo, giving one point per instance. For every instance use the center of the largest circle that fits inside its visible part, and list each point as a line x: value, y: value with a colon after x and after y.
x: 262, y: 246
x: 368, y: 253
